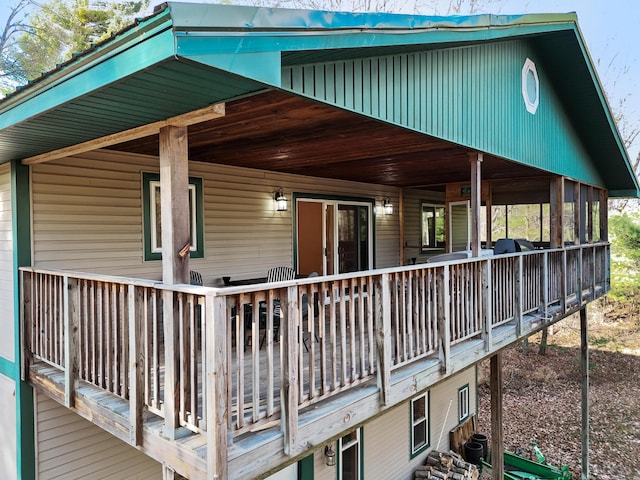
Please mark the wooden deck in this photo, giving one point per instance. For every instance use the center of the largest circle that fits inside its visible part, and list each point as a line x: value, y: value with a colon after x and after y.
x: 100, y: 346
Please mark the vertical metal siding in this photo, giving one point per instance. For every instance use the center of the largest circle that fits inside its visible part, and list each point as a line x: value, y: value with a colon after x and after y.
x: 7, y: 320
x: 468, y: 95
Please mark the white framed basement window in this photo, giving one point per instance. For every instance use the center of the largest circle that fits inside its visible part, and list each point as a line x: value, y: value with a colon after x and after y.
x: 151, y: 217
x: 463, y: 403
x: 350, y: 456
x: 420, y: 421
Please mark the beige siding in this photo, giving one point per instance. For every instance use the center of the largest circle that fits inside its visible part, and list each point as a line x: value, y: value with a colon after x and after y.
x: 387, y: 439
x: 8, y: 451
x: 87, y: 216
x: 412, y: 203
x: 6, y: 266
x: 69, y: 447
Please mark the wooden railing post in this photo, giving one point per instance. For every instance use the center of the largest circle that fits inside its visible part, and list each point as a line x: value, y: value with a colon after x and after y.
x: 519, y: 294
x: 289, y: 391
x: 444, y: 319
x: 71, y: 306
x: 487, y: 292
x: 217, y: 409
x: 27, y: 303
x: 579, y: 277
x: 383, y: 337
x: 171, y: 363
x: 136, y: 363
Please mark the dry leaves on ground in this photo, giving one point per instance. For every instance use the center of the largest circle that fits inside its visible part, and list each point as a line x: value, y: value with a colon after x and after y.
x: 542, y: 395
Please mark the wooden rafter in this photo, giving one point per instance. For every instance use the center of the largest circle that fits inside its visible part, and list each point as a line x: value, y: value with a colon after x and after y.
x: 204, y: 114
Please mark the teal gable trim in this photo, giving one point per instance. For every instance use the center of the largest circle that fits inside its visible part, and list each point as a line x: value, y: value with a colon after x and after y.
x: 99, y: 74
x: 460, y: 95
x: 21, y: 219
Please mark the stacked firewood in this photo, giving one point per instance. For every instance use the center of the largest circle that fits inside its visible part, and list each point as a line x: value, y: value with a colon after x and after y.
x: 446, y: 466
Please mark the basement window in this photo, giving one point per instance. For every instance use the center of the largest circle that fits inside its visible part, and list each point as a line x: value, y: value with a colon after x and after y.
x: 420, y: 424
x: 152, y: 215
x: 350, y: 456
x: 463, y: 403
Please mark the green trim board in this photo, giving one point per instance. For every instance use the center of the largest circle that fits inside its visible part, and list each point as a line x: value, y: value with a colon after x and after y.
x: 306, y: 468
x: 21, y: 220
x: 196, y: 183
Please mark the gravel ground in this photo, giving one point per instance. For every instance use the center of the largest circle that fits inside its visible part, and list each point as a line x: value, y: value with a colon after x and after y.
x: 542, y: 394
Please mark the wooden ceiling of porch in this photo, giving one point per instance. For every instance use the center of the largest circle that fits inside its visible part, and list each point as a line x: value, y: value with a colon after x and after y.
x: 280, y: 132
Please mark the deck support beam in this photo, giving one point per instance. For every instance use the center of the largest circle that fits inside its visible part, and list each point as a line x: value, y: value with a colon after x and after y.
x: 584, y: 353
x: 497, y: 446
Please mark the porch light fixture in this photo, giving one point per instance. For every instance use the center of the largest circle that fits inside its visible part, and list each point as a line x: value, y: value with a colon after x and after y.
x: 388, y: 206
x: 329, y: 456
x: 281, y: 200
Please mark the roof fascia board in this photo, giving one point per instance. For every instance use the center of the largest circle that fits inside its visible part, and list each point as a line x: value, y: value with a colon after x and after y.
x: 192, y: 17
x: 139, y: 49
x: 192, y: 44
x: 608, y: 113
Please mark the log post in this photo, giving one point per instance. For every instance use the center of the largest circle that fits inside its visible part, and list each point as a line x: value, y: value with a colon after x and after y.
x: 71, y: 305
x: 217, y: 386
x: 475, y: 159
x: 136, y: 363
x: 444, y: 319
x: 289, y: 392
x: 174, y: 199
x: 383, y: 338
x: 497, y: 447
x: 584, y: 352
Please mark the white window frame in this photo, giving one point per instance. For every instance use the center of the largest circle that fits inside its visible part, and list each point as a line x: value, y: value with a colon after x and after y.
x: 463, y: 403
x: 154, y: 189
x: 425, y: 420
x: 357, y: 443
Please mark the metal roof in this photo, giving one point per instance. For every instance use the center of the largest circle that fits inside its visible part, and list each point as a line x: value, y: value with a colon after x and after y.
x: 187, y: 56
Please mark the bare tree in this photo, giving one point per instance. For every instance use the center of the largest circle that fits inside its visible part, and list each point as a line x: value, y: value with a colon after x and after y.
x: 15, y: 26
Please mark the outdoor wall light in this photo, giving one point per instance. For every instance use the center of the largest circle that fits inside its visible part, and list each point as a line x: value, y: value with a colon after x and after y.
x: 281, y: 200
x: 388, y: 206
x: 330, y: 456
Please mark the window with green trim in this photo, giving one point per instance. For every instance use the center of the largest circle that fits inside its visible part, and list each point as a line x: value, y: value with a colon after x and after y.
x: 463, y: 403
x: 420, y: 431
x: 350, y: 456
x: 152, y: 215
x: 432, y: 227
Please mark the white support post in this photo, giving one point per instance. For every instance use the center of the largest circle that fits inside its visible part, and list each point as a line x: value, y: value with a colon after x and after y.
x: 545, y: 286
x: 475, y: 159
x: 519, y: 294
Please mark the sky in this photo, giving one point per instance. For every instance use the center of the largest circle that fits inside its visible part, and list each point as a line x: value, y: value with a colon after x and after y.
x: 610, y: 28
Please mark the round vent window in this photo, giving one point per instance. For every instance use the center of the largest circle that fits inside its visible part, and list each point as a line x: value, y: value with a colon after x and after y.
x: 530, y: 86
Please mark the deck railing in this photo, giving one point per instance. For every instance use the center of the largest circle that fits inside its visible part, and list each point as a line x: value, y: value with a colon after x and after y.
x: 243, y: 357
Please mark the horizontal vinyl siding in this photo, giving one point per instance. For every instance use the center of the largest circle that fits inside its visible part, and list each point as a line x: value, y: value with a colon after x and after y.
x: 87, y: 216
x: 70, y: 447
x: 469, y: 95
x: 387, y: 438
x: 7, y: 319
x: 8, y: 422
